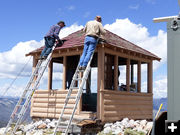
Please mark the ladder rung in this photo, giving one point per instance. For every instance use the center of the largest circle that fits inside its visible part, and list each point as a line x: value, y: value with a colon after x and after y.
x: 77, y: 79
x: 62, y: 127
x: 69, y: 107
x: 72, y: 97
x: 66, y: 122
x: 74, y: 88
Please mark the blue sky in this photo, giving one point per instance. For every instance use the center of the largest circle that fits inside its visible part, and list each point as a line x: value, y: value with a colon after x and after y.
x: 25, y: 22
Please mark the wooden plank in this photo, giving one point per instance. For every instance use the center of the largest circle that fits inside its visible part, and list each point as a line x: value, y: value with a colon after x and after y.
x: 56, y: 115
x: 51, y: 110
x: 127, y: 113
x: 125, y: 93
x: 54, y: 92
x: 45, y: 100
x: 121, y: 97
x: 51, y: 96
x: 124, y: 55
x: 127, y: 108
x: 127, y: 102
x: 139, y: 77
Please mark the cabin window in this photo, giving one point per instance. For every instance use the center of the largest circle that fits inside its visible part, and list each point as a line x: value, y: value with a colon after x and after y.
x: 122, y: 74
x: 144, y: 76
x: 57, y: 73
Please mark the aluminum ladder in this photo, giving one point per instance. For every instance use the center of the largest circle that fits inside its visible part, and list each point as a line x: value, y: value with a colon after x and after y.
x: 23, y: 103
x: 76, y: 77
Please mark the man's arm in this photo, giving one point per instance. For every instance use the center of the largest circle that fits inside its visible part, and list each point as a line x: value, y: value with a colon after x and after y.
x: 56, y: 32
x: 102, y: 30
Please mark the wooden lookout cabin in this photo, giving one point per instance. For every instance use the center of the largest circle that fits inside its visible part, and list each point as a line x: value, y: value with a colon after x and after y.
x: 105, y: 97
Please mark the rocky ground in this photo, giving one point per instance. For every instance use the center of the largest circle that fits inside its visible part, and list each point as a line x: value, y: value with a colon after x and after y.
x: 124, y: 127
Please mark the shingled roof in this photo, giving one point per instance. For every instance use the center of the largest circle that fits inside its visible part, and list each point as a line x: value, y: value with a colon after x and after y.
x: 77, y: 39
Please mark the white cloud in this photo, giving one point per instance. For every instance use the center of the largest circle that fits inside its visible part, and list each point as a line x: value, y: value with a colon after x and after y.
x: 87, y: 14
x: 71, y: 7
x: 134, y: 7
x: 160, y: 87
x: 139, y: 35
x: 15, y: 58
x: 68, y: 30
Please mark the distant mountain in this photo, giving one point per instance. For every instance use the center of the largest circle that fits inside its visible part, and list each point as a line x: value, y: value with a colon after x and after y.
x: 7, y: 105
x: 158, y: 102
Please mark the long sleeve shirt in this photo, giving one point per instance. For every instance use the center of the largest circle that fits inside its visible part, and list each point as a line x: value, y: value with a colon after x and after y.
x: 94, y: 28
x: 54, y: 32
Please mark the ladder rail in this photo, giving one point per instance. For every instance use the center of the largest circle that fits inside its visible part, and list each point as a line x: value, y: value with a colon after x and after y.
x: 33, y: 81
x: 80, y: 91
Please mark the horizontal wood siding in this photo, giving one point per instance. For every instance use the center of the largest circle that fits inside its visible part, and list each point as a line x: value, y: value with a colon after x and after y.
x: 118, y: 105
x: 48, y: 104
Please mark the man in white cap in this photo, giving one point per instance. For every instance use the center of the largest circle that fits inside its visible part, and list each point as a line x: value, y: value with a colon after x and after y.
x: 93, y: 31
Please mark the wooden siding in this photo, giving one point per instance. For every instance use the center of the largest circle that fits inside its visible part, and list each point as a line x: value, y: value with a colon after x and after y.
x: 118, y: 105
x: 48, y: 104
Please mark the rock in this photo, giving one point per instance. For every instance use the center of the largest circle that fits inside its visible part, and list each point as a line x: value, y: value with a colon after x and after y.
x: 107, y: 130
x: 38, y: 132
x: 148, y: 126
x: 108, y: 125
x: 28, y: 127
x: 18, y: 133
x: 51, y: 124
x: 42, y: 126
x: 47, y: 121
x: 125, y: 121
x: 2, y: 130
x: 143, y: 123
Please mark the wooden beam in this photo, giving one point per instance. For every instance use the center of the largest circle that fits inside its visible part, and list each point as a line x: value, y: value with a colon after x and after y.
x: 100, y: 103
x: 50, y: 75
x: 139, y: 77
x: 128, y: 74
x: 64, y: 71
x: 115, y: 73
x: 150, y: 77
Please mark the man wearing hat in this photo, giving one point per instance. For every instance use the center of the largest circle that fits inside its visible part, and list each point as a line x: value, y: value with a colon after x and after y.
x: 50, y: 38
x: 93, y: 31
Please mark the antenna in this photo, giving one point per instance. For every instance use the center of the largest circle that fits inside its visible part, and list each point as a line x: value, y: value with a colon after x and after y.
x: 179, y: 2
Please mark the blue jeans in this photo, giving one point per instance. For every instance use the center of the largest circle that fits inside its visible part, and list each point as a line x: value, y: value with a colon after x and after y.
x: 89, y: 47
x: 49, y: 43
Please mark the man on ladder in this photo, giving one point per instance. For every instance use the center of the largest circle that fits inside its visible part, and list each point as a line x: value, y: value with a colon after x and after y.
x: 51, y: 37
x: 94, y: 30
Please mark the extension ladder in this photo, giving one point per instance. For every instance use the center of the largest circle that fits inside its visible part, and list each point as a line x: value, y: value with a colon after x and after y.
x: 23, y: 103
x: 63, y: 125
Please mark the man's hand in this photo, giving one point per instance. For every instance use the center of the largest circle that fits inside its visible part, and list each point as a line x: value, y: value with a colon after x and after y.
x: 59, y: 43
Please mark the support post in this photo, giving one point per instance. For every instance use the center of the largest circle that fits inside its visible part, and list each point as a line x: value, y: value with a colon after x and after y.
x: 128, y: 75
x: 139, y: 77
x: 150, y: 77
x: 115, y: 73
x: 100, y: 99
x: 132, y: 73
x: 50, y: 75
x: 64, y: 72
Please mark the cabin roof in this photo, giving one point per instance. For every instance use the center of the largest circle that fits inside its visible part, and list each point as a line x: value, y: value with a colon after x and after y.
x: 76, y: 39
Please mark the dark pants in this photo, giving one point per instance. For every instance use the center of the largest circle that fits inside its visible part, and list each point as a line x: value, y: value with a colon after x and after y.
x: 49, y: 43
